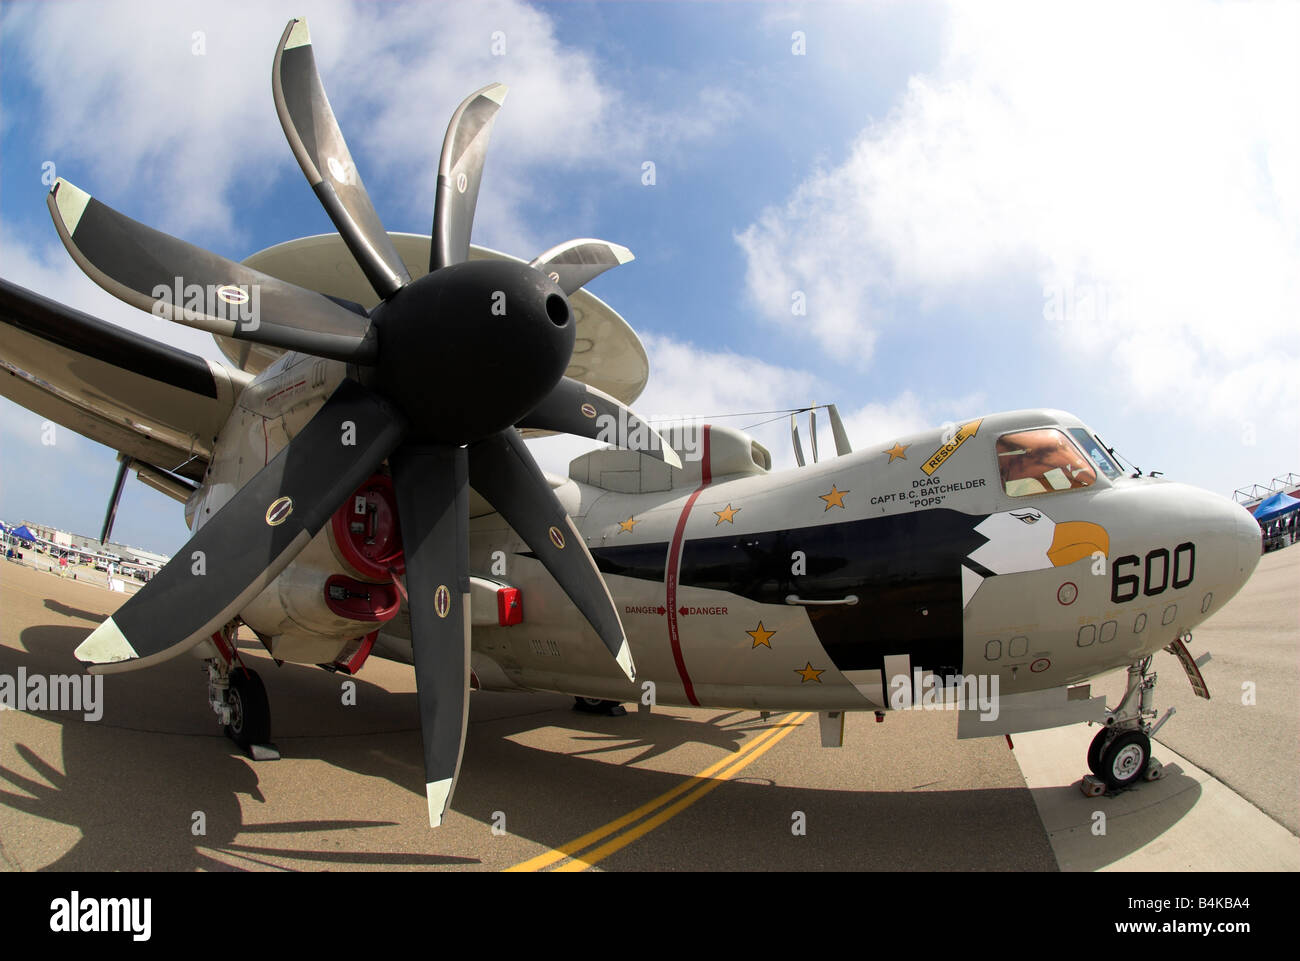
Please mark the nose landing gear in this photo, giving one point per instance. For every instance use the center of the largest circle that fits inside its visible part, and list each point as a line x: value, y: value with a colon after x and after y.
x: 1120, y: 754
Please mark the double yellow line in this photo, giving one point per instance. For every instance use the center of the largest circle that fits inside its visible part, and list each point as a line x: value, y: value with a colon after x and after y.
x: 694, y: 788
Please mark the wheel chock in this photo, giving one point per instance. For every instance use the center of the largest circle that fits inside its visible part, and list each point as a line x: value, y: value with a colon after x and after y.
x: 263, y: 752
x: 1092, y: 786
x: 1155, y: 770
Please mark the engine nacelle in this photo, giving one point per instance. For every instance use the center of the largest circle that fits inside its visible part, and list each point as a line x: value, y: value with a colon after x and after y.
x: 366, y: 534
x: 341, y: 586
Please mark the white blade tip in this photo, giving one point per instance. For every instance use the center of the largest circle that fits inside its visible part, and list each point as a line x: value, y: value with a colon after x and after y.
x: 105, y: 645
x: 624, y: 659
x: 438, y: 794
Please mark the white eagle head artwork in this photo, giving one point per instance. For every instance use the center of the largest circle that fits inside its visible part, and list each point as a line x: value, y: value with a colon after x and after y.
x: 1028, y: 540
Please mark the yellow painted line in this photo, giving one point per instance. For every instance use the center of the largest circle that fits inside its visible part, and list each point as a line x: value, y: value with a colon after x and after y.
x: 582, y: 862
x: 703, y: 777
x: 571, y: 848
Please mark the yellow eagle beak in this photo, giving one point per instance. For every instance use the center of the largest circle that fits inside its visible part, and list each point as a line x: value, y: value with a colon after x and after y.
x: 1075, y: 540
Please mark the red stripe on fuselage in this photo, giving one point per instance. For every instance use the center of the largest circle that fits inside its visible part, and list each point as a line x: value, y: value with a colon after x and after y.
x: 670, y: 580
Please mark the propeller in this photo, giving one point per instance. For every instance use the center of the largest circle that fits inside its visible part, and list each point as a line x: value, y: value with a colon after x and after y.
x: 441, y: 373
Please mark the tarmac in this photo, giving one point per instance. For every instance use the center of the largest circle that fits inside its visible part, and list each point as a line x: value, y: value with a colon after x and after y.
x: 154, y: 785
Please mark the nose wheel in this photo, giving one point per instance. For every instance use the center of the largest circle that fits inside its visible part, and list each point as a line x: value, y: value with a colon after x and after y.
x: 1120, y: 758
x: 1120, y: 753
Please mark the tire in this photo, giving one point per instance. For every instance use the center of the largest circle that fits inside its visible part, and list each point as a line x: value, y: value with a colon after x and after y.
x: 594, y: 705
x: 250, y: 710
x: 1125, y: 760
x: 1095, y: 748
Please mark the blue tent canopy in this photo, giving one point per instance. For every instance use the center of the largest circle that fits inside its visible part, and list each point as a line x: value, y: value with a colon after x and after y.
x: 23, y: 534
x: 1275, y: 506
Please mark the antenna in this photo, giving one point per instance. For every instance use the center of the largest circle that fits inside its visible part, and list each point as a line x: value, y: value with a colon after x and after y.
x: 842, y: 445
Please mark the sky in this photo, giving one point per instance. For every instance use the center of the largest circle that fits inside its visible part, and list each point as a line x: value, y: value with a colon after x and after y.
x: 1093, y: 207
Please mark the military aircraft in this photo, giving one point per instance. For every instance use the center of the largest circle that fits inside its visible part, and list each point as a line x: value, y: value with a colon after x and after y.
x: 357, y: 484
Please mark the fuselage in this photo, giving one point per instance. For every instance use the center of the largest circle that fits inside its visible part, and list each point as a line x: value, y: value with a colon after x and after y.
x: 1008, y: 546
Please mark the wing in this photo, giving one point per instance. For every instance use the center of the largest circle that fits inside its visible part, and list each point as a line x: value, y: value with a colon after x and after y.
x: 155, y: 403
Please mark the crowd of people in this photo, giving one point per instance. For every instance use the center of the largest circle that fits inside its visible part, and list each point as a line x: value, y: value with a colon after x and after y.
x: 1281, y: 531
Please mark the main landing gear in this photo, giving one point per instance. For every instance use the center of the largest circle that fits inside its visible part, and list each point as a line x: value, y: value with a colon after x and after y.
x: 595, y: 705
x: 1120, y: 754
x: 238, y: 697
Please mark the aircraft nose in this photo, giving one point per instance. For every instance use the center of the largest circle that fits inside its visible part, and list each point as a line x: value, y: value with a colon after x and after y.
x: 1250, y: 541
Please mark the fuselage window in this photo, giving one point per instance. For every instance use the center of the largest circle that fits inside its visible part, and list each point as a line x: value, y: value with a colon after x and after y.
x: 1092, y: 447
x: 1040, y: 462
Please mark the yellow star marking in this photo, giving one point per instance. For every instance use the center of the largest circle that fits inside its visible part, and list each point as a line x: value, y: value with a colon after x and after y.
x: 728, y: 514
x: 627, y: 525
x: 809, y: 673
x: 835, y: 498
x: 897, y: 452
x: 761, y: 636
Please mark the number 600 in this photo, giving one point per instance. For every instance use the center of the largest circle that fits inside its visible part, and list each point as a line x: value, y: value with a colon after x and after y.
x: 1155, y: 573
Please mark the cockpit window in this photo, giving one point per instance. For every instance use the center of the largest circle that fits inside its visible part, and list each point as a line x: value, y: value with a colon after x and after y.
x: 1040, y: 462
x: 1092, y: 447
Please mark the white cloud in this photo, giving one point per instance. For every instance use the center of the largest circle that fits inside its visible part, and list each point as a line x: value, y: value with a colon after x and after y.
x: 688, y: 382
x: 884, y: 422
x: 127, y: 105
x: 1145, y: 155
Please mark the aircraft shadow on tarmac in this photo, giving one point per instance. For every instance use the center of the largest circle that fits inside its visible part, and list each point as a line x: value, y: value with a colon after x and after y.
x: 129, y: 763
x: 121, y: 764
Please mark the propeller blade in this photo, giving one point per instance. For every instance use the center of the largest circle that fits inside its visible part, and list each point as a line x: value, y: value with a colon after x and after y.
x: 842, y: 445
x: 433, y: 505
x: 189, y: 285
x: 812, y: 431
x: 246, y: 544
x: 575, y: 262
x: 314, y: 135
x: 460, y: 168
x: 503, y: 471
x: 577, y: 408
x: 794, y: 437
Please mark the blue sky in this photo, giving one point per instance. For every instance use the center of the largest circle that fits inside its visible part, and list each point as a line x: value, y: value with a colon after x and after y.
x: 1093, y: 207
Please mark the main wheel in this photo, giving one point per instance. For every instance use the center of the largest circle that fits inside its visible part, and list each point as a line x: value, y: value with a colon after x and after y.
x: 1125, y: 759
x: 596, y: 705
x: 250, y: 711
x: 1095, y: 748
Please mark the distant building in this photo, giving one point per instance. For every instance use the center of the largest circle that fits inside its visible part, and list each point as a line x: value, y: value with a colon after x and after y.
x: 90, y: 545
x: 1254, y: 495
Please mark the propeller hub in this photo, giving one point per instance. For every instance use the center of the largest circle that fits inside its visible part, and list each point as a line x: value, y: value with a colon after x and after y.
x: 469, y: 349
